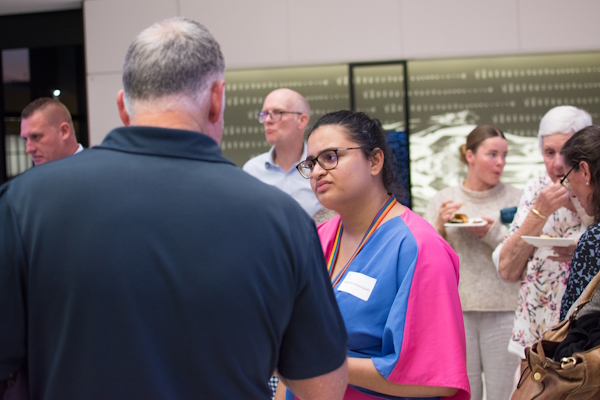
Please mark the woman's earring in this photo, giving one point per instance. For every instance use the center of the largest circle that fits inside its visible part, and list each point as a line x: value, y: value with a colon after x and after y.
x: 587, y: 183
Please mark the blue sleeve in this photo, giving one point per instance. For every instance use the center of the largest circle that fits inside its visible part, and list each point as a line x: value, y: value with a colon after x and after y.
x: 393, y: 333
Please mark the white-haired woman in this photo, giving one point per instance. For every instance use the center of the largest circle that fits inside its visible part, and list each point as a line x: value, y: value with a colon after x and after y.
x: 545, y: 208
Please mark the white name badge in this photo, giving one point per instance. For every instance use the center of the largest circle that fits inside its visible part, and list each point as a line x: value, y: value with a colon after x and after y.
x: 359, y: 285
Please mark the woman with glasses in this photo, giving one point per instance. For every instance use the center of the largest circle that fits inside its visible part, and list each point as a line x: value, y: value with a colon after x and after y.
x: 581, y: 157
x: 395, y: 279
x: 488, y: 303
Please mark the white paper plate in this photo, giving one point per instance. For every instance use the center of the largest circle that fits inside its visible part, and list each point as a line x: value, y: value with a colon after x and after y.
x: 473, y: 223
x: 549, y: 242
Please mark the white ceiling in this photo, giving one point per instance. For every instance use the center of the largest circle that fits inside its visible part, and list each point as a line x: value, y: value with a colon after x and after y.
x: 32, y: 6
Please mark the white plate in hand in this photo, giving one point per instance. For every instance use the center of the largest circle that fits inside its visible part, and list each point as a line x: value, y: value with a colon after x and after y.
x: 473, y: 223
x: 549, y: 242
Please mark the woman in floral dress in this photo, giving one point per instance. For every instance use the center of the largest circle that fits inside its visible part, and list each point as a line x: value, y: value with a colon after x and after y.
x: 545, y: 208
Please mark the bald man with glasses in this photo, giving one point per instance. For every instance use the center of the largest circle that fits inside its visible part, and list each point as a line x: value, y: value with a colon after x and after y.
x: 284, y: 115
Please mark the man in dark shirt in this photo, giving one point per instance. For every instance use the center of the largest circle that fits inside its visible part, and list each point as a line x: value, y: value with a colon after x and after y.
x: 150, y: 267
x: 47, y: 127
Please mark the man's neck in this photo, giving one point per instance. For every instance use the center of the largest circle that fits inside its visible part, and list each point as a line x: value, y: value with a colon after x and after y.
x: 72, y: 147
x: 169, y: 120
x: 172, y: 119
x: 286, y: 157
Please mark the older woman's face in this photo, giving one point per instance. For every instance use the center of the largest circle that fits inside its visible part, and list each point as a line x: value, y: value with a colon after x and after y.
x: 551, y: 147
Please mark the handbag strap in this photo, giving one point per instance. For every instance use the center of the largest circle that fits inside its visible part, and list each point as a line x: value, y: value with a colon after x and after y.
x: 586, y: 297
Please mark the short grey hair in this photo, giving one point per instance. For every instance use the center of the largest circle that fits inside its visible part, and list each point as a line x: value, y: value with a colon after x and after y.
x: 176, y: 57
x: 563, y: 119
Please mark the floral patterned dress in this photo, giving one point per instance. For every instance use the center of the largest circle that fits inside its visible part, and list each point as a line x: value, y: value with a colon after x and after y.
x: 544, y: 281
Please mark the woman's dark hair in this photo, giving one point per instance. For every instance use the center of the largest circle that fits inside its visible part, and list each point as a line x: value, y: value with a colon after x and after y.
x: 475, y: 138
x: 370, y: 135
x: 585, y: 146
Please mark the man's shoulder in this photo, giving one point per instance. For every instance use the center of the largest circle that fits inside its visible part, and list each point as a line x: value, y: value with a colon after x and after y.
x: 53, y: 177
x: 256, y: 163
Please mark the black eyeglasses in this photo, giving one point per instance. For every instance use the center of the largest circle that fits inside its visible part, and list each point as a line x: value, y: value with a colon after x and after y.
x: 275, y: 115
x: 565, y: 182
x: 327, y: 159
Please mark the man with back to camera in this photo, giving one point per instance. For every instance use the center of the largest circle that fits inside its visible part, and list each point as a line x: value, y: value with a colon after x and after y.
x: 285, y: 114
x: 150, y: 267
x: 47, y: 127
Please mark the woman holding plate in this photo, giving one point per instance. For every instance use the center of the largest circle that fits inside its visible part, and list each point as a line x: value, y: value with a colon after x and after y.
x: 395, y: 280
x: 488, y: 302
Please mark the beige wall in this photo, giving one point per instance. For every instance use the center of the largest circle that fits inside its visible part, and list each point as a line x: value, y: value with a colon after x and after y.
x: 264, y: 33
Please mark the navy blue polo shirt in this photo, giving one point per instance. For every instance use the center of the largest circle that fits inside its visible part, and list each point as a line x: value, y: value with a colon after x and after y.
x: 150, y: 267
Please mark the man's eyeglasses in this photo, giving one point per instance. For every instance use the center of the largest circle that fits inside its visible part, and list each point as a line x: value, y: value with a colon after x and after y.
x: 565, y: 182
x: 327, y: 159
x: 275, y: 115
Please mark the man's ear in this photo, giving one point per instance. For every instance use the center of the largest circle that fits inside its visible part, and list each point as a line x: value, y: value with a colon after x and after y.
x: 217, y: 93
x: 65, y: 130
x: 302, y: 121
x: 122, y: 111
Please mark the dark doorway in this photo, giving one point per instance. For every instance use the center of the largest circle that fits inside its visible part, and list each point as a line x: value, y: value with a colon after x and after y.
x: 42, y: 55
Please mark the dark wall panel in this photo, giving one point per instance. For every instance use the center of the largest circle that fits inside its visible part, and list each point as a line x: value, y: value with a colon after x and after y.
x: 60, y: 28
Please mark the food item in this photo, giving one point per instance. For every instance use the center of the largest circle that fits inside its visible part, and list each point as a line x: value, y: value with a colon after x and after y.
x: 459, y: 219
x: 543, y: 235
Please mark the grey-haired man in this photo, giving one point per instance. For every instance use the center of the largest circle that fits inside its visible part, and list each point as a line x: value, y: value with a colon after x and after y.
x: 150, y: 267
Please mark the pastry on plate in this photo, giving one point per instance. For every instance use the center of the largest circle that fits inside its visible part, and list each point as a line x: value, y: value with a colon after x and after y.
x: 459, y: 219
